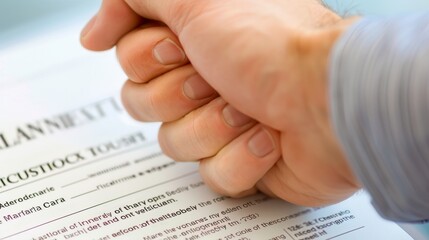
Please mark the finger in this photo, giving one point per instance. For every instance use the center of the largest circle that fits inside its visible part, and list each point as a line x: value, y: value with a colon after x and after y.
x: 236, y: 169
x: 277, y: 73
x: 162, y: 10
x: 203, y: 132
x: 167, y: 97
x: 149, y: 52
x: 241, y: 56
x: 114, y: 20
x: 309, y: 172
x: 280, y: 181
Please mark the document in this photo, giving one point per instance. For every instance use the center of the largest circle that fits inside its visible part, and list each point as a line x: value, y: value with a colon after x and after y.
x: 74, y: 165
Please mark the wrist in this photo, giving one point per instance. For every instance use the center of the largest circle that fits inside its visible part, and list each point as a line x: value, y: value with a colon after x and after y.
x: 314, y: 50
x: 318, y: 45
x: 320, y: 42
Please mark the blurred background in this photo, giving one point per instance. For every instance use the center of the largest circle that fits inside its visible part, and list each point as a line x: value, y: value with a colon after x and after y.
x: 377, y: 7
x: 24, y: 18
x: 39, y: 34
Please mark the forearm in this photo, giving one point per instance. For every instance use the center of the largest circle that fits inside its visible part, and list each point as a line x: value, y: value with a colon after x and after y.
x: 379, y: 89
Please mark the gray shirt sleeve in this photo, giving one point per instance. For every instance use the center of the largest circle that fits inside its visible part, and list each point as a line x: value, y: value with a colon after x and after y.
x: 379, y: 95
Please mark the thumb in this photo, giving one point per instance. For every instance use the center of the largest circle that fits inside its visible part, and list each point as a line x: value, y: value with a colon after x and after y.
x: 114, y: 20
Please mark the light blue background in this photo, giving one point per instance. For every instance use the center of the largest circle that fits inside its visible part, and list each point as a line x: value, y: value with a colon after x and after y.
x: 23, y: 19
x: 378, y: 7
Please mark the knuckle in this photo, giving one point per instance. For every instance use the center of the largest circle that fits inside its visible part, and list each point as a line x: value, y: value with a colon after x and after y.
x: 194, y: 137
x: 139, y: 103
x: 126, y: 101
x: 149, y: 106
x: 132, y: 61
x: 133, y: 67
x: 203, y: 142
x: 165, y: 142
x: 188, y: 11
x: 221, y: 179
x: 178, y: 141
x: 233, y: 186
x: 178, y: 7
x: 174, y: 142
x: 153, y: 102
x: 198, y: 134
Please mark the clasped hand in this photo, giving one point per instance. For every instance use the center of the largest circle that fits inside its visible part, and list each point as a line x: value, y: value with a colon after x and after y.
x: 240, y: 86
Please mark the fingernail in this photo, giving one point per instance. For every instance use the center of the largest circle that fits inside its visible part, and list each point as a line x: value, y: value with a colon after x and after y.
x: 88, y: 27
x: 233, y: 117
x: 197, y: 88
x: 261, y: 143
x: 167, y: 52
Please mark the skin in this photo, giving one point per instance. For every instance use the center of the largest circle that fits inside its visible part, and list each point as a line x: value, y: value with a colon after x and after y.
x: 246, y: 94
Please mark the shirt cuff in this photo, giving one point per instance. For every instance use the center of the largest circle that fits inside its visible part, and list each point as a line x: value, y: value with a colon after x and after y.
x: 379, y: 96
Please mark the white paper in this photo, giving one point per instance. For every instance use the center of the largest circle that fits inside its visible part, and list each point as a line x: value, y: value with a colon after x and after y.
x: 73, y: 165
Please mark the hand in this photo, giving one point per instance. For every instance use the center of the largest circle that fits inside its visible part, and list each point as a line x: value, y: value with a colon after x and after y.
x: 240, y: 85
